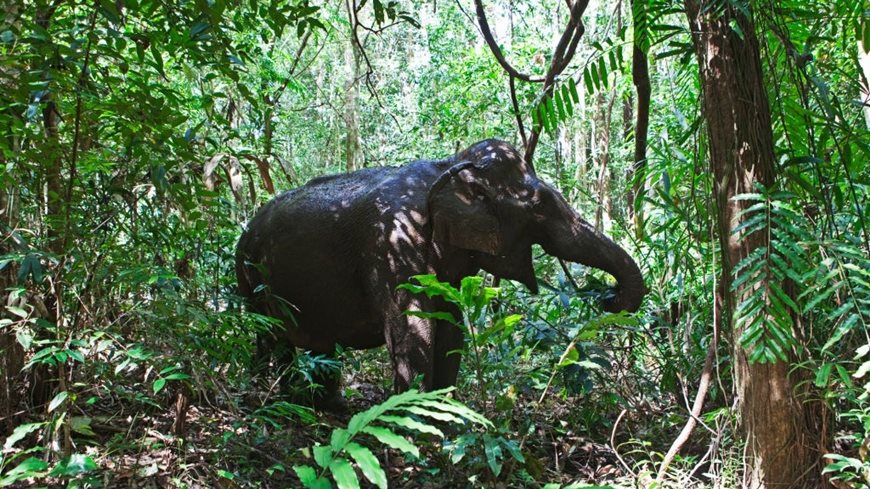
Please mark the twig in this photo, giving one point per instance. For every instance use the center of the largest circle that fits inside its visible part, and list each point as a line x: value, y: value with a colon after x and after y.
x: 613, y: 444
x: 697, y: 406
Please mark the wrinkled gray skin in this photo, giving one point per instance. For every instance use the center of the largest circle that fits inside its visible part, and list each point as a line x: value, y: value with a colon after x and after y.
x: 337, y: 248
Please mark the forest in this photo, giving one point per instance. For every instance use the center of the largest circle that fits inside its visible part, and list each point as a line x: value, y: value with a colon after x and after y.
x: 423, y: 244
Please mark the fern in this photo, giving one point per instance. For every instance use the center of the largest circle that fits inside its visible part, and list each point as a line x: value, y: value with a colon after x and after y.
x: 405, y: 411
x: 766, y: 311
x: 839, y: 291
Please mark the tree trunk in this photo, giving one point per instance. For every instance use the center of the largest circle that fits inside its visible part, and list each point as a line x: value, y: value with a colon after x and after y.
x: 637, y: 172
x: 351, y: 118
x: 773, y: 420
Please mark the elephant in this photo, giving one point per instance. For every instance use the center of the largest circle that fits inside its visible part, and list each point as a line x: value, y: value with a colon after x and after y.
x: 326, y: 258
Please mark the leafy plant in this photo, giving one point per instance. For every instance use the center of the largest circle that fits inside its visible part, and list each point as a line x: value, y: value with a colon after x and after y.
x: 406, y: 411
x: 472, y: 298
x: 766, y: 315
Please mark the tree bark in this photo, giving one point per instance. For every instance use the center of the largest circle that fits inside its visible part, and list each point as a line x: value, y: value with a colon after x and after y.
x: 351, y: 93
x: 773, y: 420
x: 637, y: 172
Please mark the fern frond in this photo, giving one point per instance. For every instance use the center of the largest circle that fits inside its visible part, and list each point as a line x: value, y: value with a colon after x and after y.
x: 343, y: 453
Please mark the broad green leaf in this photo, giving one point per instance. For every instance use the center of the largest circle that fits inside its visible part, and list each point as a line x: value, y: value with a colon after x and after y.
x: 19, y: 433
x: 411, y: 424
x: 593, y: 71
x: 17, y: 311
x: 309, y: 478
x: 551, y: 111
x: 587, y: 79
x: 58, y: 400
x: 492, y: 449
x: 602, y: 72
x: 338, y: 439
x: 566, y: 97
x: 158, y: 385
x: 323, y: 455
x: 368, y: 464
x: 343, y: 474
x: 158, y: 59
x: 391, y: 439
x: 572, y: 85
x: 560, y: 105
x: 75, y: 464
x: 31, y: 467
x: 81, y: 425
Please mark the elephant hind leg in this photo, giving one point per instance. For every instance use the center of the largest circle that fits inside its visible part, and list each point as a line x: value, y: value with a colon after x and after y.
x: 329, y: 397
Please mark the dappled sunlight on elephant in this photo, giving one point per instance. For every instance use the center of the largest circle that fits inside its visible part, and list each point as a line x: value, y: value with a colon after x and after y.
x: 332, y: 253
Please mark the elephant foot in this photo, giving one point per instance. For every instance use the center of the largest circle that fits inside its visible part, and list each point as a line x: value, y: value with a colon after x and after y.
x: 331, y: 402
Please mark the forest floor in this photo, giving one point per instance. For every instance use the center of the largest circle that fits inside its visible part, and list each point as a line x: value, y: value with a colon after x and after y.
x: 240, y: 438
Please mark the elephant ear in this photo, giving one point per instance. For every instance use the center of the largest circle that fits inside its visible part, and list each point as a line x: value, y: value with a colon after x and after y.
x: 462, y: 213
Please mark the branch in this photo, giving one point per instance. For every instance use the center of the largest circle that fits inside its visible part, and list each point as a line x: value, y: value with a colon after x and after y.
x: 562, y: 56
x: 517, y: 112
x: 496, y: 51
x: 697, y: 406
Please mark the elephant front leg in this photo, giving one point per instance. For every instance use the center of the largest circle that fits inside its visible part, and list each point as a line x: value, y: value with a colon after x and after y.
x: 448, y: 354
x: 411, y: 342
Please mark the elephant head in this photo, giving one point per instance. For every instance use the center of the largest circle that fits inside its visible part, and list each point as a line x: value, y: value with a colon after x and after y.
x: 491, y: 203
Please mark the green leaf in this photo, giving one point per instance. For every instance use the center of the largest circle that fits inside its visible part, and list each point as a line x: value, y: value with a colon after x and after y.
x: 593, y: 71
x: 411, y: 424
x: 587, y: 79
x: 19, y: 433
x: 158, y: 59
x: 323, y: 455
x: 82, y: 425
x: 572, y: 86
x: 58, y: 400
x: 309, y: 478
x: 492, y: 449
x: 391, y: 439
x: 602, y: 71
x: 343, y: 474
x: 368, y: 464
x: 560, y: 105
x: 551, y: 113
x: 566, y: 97
x: 17, y: 311
x: 158, y: 385
x: 339, y: 438
x: 75, y: 464
x: 32, y: 467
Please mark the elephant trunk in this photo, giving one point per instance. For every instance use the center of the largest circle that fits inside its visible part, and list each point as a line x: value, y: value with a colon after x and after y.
x: 576, y: 240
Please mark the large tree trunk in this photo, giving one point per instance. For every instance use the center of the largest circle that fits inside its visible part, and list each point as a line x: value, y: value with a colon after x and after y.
x: 735, y: 104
